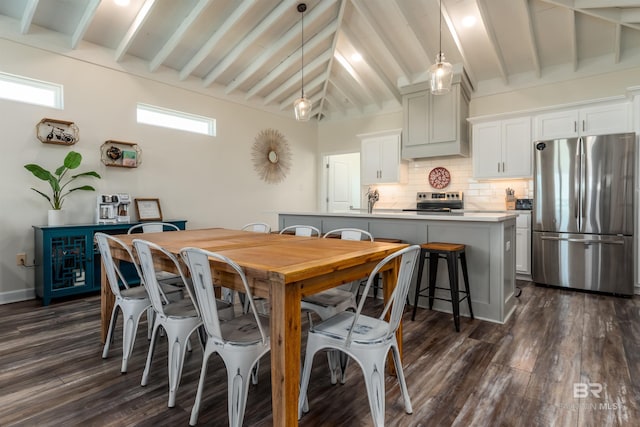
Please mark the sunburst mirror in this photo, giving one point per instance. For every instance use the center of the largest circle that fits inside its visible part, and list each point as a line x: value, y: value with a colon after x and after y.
x: 271, y: 156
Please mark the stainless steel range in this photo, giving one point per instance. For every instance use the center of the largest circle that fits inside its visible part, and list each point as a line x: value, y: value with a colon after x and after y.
x: 440, y: 202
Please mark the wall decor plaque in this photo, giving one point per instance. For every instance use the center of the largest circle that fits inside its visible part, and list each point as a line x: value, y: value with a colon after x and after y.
x: 121, y: 154
x: 54, y: 131
x: 271, y: 156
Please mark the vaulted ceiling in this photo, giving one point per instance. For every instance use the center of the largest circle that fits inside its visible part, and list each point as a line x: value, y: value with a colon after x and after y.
x: 249, y: 51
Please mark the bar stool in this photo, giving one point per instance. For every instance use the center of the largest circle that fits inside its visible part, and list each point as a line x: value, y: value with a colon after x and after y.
x: 451, y: 252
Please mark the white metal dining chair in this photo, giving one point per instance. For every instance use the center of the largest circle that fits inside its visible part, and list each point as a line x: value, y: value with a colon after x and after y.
x: 258, y: 227
x: 332, y: 301
x: 164, y: 277
x: 131, y: 301
x: 301, y: 230
x: 367, y: 340
x: 153, y: 227
x: 240, y: 342
x: 179, y: 319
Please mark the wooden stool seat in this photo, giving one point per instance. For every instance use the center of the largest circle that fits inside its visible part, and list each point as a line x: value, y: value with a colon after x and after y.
x: 452, y: 252
x: 443, y: 247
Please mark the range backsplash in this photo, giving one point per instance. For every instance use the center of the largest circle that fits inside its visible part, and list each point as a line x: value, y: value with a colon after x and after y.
x: 484, y: 194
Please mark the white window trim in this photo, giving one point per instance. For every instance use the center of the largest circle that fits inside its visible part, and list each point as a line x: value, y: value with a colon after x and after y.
x: 182, y: 121
x: 56, y: 91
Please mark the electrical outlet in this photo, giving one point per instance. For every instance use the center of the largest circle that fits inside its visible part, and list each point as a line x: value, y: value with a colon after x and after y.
x: 21, y: 259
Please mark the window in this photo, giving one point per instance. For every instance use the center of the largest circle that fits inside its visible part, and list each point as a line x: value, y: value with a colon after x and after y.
x: 158, y: 116
x: 24, y: 89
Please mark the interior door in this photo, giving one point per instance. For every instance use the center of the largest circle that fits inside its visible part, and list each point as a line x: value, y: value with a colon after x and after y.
x: 343, y: 182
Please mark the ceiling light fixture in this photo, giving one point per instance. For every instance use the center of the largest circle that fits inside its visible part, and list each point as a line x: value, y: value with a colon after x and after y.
x: 302, y: 106
x: 440, y: 73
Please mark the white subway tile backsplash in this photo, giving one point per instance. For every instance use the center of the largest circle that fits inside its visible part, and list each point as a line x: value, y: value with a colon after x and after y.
x: 486, y: 194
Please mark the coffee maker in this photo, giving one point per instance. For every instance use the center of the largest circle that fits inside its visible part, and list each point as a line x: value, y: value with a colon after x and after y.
x: 113, y: 208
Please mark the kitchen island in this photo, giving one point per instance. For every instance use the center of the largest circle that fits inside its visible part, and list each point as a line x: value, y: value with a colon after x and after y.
x: 490, y: 238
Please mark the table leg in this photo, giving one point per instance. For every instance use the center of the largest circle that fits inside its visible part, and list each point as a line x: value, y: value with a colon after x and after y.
x: 285, y: 353
x: 107, y: 299
x: 390, y: 278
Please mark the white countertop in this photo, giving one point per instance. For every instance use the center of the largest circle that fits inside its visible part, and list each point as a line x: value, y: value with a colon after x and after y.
x: 398, y: 214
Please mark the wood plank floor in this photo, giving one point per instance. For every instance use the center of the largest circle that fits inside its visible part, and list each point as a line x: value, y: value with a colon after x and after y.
x: 518, y: 374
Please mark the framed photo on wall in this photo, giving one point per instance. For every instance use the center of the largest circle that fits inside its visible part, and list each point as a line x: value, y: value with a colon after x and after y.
x: 148, y: 209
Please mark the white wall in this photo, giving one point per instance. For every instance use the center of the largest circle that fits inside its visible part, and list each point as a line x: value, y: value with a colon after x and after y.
x: 207, y: 181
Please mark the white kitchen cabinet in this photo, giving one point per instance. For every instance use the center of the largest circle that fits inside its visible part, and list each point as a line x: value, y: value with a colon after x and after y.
x: 523, y: 243
x: 380, y: 160
x: 595, y: 120
x: 502, y: 149
x: 436, y: 125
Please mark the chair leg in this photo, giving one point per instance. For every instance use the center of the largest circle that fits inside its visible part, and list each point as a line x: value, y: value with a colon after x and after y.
x: 195, y: 410
x: 239, y: 368
x: 130, y: 320
x: 400, y: 374
x: 452, y: 264
x: 344, y: 362
x: 418, y: 282
x: 373, y: 363
x: 310, y: 352
x: 465, y: 275
x: 152, y: 347
x: 178, y: 340
x: 112, y: 325
x: 433, y: 276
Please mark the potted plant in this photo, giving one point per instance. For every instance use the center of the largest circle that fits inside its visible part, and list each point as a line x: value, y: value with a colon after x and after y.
x: 56, y: 180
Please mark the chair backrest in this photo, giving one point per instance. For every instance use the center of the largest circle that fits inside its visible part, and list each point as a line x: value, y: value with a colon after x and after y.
x: 146, y: 252
x: 398, y: 297
x: 153, y: 227
x: 302, y: 230
x: 258, y: 227
x: 114, y: 275
x: 198, y: 261
x: 350, y: 234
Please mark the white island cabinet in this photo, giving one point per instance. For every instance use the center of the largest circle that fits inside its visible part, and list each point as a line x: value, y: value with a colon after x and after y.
x: 491, y: 247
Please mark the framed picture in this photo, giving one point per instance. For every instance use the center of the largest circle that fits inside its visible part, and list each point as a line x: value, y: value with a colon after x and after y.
x: 148, y: 209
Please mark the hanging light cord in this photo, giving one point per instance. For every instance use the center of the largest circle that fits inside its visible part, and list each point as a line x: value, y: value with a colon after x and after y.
x: 302, y: 48
x: 440, y: 52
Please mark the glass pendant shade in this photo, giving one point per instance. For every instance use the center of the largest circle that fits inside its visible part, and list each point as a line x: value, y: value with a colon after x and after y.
x: 440, y: 76
x: 302, y: 108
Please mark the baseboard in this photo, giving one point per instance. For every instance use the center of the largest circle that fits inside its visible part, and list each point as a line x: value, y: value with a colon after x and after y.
x: 16, y: 296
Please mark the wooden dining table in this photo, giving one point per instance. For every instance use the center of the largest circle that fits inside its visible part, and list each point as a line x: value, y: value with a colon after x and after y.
x: 284, y: 269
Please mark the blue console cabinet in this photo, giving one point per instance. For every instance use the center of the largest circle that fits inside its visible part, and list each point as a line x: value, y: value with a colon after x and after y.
x: 68, y: 260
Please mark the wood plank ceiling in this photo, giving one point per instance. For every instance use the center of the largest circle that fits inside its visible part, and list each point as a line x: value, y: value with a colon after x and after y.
x: 249, y: 51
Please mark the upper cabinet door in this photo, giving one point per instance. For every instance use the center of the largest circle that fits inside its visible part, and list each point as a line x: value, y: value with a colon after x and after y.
x: 605, y: 120
x: 416, y: 110
x: 517, y: 148
x: 380, y: 158
x: 487, y: 150
x: 502, y: 149
x: 597, y: 120
x: 563, y: 124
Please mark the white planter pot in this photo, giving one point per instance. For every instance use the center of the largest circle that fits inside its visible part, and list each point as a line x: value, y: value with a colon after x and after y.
x: 55, y: 217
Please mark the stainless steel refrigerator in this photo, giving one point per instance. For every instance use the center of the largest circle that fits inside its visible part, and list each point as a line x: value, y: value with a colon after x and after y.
x: 583, y: 213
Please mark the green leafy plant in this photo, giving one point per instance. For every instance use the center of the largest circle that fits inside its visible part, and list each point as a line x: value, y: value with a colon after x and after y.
x: 58, y: 186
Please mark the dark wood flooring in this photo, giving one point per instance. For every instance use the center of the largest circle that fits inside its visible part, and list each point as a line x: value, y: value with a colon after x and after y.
x: 521, y: 373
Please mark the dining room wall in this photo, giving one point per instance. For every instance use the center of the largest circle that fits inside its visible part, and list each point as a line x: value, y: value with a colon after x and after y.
x: 209, y: 181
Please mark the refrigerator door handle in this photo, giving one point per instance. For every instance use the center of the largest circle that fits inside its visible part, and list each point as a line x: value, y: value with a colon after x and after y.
x: 585, y: 241
x: 576, y: 185
x: 583, y: 185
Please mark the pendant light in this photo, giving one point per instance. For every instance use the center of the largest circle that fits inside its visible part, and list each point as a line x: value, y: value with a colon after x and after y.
x: 440, y: 73
x: 302, y: 106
